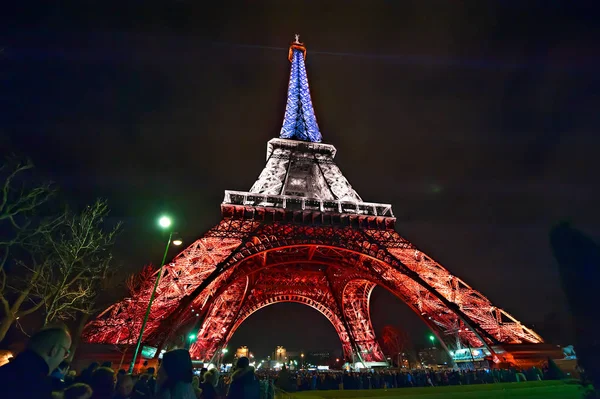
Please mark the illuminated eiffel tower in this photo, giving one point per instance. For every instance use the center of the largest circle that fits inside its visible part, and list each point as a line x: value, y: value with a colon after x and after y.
x: 302, y: 234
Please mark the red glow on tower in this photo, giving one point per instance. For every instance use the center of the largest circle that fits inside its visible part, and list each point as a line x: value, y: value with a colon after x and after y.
x: 302, y: 234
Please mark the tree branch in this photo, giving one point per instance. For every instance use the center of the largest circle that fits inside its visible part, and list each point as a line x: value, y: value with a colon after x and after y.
x: 7, y: 182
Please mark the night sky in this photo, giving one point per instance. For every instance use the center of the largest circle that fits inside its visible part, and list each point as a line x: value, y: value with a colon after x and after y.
x: 479, y: 125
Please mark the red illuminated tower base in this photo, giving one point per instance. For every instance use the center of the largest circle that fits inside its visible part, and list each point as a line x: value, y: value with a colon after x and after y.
x: 302, y: 234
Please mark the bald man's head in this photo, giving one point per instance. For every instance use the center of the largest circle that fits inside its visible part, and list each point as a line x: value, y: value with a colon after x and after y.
x: 52, y: 344
x: 125, y: 385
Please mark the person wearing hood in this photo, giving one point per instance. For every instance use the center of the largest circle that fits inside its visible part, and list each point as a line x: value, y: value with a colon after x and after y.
x: 210, y: 379
x: 244, y: 384
x: 174, y: 379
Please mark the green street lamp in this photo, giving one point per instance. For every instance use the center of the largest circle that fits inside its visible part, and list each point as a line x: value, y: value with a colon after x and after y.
x: 222, y: 357
x: 192, y: 337
x: 164, y: 222
x: 432, y: 339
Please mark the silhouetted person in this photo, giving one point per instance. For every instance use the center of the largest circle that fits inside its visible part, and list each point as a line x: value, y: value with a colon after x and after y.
x: 86, y: 374
x: 578, y: 258
x: 151, y: 380
x: 244, y: 384
x: 210, y: 379
x: 283, y: 380
x: 196, y: 386
x: 142, y: 385
x: 103, y: 383
x: 174, y: 378
x: 78, y: 391
x: 125, y: 388
x: 26, y: 377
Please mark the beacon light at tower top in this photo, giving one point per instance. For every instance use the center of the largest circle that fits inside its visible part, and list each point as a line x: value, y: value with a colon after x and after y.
x: 303, y: 234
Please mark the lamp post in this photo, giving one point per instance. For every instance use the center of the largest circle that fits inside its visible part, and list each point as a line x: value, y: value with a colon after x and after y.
x: 432, y: 339
x: 190, y: 340
x: 223, y: 352
x: 164, y: 222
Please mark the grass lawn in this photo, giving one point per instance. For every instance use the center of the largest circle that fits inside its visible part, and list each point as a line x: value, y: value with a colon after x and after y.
x: 529, y: 390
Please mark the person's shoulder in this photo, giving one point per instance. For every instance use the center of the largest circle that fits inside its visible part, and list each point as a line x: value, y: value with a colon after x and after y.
x: 5, y: 367
x: 8, y: 373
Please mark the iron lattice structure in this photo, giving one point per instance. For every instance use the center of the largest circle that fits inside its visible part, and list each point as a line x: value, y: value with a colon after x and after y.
x: 302, y: 234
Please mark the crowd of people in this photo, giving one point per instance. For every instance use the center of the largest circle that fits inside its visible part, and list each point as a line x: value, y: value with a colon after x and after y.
x: 303, y: 380
x: 41, y: 372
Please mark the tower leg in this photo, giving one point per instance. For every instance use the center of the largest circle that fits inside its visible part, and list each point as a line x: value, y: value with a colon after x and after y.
x: 222, y: 313
x: 355, y: 307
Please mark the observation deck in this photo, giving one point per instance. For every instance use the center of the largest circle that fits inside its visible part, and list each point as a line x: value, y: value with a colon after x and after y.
x: 265, y: 207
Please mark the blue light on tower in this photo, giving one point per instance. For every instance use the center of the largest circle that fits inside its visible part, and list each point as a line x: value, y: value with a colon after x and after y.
x: 299, y: 122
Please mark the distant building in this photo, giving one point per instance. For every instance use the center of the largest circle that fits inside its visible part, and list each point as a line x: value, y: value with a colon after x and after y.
x: 280, y: 354
x: 430, y: 357
x: 318, y: 358
x: 242, y: 351
x: 398, y: 360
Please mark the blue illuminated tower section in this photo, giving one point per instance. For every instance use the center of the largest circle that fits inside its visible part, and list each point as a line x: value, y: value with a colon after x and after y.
x: 299, y: 121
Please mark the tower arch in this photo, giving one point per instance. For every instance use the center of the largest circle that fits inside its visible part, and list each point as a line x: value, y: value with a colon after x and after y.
x: 342, y: 273
x: 323, y: 308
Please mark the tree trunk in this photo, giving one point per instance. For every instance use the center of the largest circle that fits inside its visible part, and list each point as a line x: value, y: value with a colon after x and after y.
x: 77, y: 336
x: 123, y: 357
x: 5, y: 324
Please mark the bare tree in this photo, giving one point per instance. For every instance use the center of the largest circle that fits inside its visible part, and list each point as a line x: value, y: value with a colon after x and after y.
x: 396, y: 342
x: 80, y: 252
x: 23, y: 275
x: 104, y: 296
x: 55, y: 264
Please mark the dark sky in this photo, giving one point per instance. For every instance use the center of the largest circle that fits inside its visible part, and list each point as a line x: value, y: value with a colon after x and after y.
x: 479, y: 124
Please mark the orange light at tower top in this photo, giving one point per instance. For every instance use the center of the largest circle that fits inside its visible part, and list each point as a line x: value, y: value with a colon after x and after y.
x: 296, y: 45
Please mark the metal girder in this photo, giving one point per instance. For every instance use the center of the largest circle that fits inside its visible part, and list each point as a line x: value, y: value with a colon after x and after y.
x: 217, y: 261
x: 275, y: 285
x: 297, y: 169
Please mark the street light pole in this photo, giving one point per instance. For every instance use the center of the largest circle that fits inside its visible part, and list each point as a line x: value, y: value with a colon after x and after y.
x: 139, y: 341
x: 223, y: 352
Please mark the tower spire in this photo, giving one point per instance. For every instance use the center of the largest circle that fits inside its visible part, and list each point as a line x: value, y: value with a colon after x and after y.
x: 299, y: 121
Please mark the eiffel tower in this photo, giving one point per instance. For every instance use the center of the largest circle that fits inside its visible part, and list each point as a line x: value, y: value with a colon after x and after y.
x: 302, y: 234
